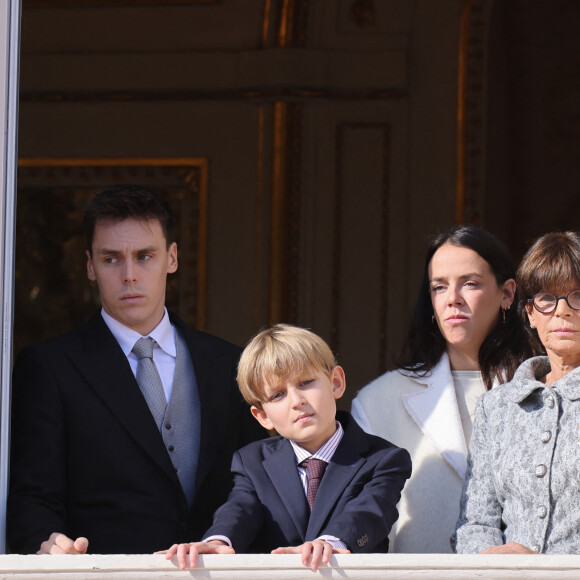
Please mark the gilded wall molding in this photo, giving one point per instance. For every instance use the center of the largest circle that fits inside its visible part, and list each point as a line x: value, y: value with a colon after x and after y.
x: 285, y: 213
x: 293, y: 23
x: 286, y: 174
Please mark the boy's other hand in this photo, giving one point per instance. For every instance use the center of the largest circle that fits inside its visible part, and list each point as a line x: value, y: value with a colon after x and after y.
x: 193, y: 549
x: 313, y: 553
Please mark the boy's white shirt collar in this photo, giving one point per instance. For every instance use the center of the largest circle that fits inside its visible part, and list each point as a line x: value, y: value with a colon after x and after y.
x: 325, y: 452
x: 163, y: 334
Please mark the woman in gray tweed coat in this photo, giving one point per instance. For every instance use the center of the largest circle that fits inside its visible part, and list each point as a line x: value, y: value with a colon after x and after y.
x: 522, y: 488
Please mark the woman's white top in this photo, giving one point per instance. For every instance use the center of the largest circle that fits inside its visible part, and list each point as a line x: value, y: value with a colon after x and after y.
x: 468, y: 388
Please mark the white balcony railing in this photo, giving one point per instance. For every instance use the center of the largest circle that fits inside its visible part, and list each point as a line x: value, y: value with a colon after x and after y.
x: 288, y: 567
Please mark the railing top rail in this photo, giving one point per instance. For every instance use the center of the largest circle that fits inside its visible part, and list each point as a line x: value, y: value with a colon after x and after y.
x: 287, y: 567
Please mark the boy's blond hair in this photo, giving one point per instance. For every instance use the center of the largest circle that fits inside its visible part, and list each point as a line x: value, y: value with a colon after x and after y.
x: 278, y: 353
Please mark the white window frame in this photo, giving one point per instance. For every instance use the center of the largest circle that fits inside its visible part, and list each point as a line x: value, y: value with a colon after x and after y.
x: 9, y: 74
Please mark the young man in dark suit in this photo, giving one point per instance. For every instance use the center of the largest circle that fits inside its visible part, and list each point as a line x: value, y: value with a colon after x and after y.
x: 116, y: 449
x: 323, y: 485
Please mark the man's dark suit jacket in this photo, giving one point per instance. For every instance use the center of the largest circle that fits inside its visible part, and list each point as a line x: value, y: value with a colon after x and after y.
x: 87, y: 458
x: 356, y: 499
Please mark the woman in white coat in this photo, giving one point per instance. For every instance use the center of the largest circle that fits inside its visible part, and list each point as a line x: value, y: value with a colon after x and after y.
x: 464, y: 337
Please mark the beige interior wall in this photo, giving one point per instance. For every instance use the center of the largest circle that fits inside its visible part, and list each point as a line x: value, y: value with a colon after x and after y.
x: 370, y: 159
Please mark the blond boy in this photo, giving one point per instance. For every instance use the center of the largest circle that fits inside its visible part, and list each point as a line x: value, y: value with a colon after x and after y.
x: 291, y: 380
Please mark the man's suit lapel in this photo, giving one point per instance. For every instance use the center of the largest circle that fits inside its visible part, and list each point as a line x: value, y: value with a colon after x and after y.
x: 344, y: 465
x: 106, y: 369
x: 280, y: 467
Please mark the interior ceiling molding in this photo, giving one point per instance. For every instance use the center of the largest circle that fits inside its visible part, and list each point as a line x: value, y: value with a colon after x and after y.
x: 184, y: 180
x: 470, y: 183
x: 337, y: 306
x: 110, y: 3
x: 111, y: 161
x: 249, y: 94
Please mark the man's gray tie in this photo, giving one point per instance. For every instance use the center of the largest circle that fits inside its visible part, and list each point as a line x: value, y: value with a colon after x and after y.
x: 149, y: 380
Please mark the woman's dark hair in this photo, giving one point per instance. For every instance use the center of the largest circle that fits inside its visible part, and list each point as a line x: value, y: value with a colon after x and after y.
x: 552, y: 264
x: 504, y: 348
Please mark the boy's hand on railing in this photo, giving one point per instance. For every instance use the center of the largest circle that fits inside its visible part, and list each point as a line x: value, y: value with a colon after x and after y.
x: 313, y: 553
x: 189, y: 552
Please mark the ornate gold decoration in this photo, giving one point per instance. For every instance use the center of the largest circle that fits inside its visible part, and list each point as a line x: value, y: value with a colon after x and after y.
x: 285, y: 213
x: 266, y: 23
x: 293, y: 26
x: 286, y: 171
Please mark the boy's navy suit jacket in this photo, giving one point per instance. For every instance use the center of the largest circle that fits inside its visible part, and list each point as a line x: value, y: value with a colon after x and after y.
x: 356, y: 500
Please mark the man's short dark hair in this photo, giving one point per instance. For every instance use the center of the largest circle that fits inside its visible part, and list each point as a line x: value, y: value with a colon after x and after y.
x: 120, y: 202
